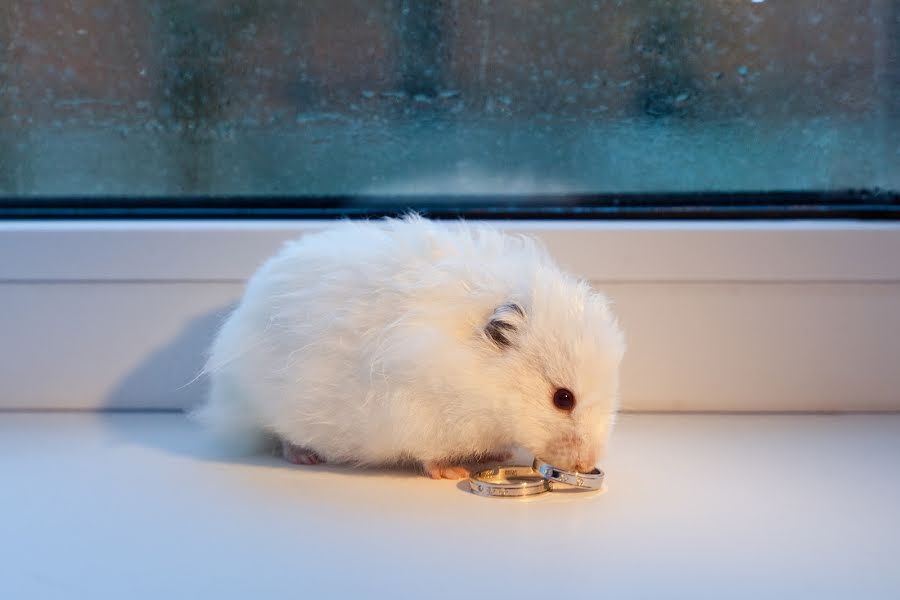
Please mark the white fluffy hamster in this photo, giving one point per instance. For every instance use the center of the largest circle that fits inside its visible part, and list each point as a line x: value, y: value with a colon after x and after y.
x: 413, y: 341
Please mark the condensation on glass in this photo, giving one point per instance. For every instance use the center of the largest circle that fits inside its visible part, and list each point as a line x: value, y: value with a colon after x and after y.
x: 457, y: 96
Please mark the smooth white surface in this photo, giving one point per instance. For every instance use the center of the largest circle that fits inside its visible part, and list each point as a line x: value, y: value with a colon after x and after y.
x: 729, y: 316
x: 136, y: 506
x: 597, y: 250
x: 692, y: 346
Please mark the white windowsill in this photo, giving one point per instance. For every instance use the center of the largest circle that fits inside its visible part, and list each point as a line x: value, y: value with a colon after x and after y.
x: 723, y: 316
x: 133, y: 505
x: 620, y: 251
x: 720, y: 316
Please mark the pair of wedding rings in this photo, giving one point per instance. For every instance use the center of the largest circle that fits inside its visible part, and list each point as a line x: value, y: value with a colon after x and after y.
x: 522, y: 481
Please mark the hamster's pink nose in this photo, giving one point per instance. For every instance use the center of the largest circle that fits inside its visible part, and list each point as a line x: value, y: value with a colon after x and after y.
x: 569, y: 455
x: 586, y: 462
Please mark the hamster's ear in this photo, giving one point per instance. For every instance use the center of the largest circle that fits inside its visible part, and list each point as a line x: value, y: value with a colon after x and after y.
x: 504, y: 325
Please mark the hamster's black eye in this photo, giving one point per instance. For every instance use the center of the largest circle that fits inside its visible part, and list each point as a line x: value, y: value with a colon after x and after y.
x: 563, y: 399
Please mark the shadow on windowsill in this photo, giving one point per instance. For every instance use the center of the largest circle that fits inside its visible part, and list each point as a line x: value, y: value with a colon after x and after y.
x: 182, y: 359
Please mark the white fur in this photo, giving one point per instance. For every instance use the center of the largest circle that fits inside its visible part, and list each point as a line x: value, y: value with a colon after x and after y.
x: 365, y: 343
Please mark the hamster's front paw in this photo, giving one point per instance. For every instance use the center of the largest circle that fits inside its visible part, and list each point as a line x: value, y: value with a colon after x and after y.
x: 299, y: 455
x: 439, y: 470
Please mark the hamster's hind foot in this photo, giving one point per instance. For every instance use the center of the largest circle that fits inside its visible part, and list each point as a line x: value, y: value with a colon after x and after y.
x: 299, y: 455
x: 437, y: 470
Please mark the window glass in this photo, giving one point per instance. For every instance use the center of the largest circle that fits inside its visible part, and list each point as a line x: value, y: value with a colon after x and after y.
x: 240, y: 97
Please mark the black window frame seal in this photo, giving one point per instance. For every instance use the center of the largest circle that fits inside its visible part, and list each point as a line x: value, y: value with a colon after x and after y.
x: 872, y: 204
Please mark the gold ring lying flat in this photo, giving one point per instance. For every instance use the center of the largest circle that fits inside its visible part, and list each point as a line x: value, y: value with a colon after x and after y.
x: 509, y: 482
x: 592, y: 480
